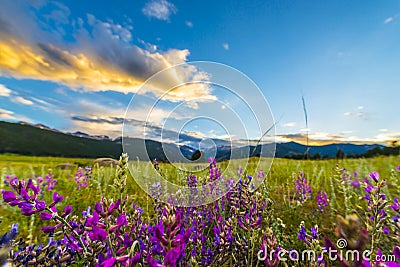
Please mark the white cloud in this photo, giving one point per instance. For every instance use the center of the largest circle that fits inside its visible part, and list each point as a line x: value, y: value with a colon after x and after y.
x: 159, y: 9
x: 4, y: 91
x: 189, y: 24
x: 225, y: 46
x: 6, y: 114
x: 388, y: 20
x: 358, y: 113
x: 17, y: 98
x: 21, y: 100
x: 289, y: 124
x: 10, y: 115
x: 383, y: 130
x: 305, y: 130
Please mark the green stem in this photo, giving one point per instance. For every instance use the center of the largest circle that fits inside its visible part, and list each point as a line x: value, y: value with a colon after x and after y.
x: 65, y: 223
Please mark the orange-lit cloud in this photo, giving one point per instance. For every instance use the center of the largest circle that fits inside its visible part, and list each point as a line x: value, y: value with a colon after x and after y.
x: 323, y: 138
x: 80, y: 71
x: 101, y: 58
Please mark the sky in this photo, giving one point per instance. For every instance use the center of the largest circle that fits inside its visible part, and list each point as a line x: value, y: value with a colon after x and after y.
x: 75, y: 66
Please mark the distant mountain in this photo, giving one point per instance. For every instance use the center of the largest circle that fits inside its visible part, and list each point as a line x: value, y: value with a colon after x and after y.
x: 39, y: 125
x: 292, y: 148
x: 40, y: 140
x: 27, y: 139
x: 85, y: 135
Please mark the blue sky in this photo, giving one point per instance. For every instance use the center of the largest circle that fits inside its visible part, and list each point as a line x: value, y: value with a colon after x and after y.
x: 73, y: 65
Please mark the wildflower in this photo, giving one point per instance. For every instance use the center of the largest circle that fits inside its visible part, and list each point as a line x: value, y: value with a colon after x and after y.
x: 48, y: 229
x: 396, y: 252
x: 46, y: 216
x: 50, y: 182
x: 303, y: 189
x: 6, y: 239
x: 322, y: 200
x: 396, y: 204
x: 355, y: 183
x: 67, y: 211
x: 114, y: 206
x: 374, y: 176
x: 314, y: 232
x: 8, y: 196
x: 86, y: 213
x: 40, y: 205
x: 98, y: 234
x: 302, y: 233
x: 121, y: 221
x: 82, y: 176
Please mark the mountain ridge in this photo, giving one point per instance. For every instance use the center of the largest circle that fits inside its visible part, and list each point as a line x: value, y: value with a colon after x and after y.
x: 41, y: 140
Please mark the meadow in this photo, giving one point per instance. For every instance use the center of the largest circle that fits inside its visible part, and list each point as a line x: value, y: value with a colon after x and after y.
x: 302, y: 205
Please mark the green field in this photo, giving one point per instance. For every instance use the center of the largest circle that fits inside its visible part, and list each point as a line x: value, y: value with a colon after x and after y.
x: 278, y: 187
x: 279, y: 182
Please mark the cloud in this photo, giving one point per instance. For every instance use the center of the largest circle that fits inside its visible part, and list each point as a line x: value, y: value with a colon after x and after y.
x: 313, y: 139
x: 225, y: 46
x: 289, y: 124
x: 189, y: 24
x: 325, y: 138
x: 98, y: 118
x: 388, y: 20
x: 4, y: 91
x: 101, y: 56
x: 10, y: 115
x: 159, y: 9
x: 305, y: 130
x: 16, y: 97
x: 391, y: 18
x: 21, y: 100
x: 6, y: 114
x: 358, y: 113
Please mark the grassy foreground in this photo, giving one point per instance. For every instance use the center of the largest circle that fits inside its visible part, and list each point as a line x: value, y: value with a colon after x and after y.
x: 296, y: 196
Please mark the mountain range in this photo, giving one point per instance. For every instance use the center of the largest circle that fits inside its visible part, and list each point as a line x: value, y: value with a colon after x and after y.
x: 40, y: 140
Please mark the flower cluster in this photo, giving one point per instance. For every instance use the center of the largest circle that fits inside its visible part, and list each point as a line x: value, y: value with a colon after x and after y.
x: 322, y: 200
x: 24, y: 196
x: 303, y: 191
x: 82, y: 176
x: 305, y: 237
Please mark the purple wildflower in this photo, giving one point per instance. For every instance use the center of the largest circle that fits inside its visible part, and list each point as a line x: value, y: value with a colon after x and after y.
x: 303, y: 189
x: 8, y: 196
x: 322, y: 200
x: 396, y: 204
x: 374, y: 176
